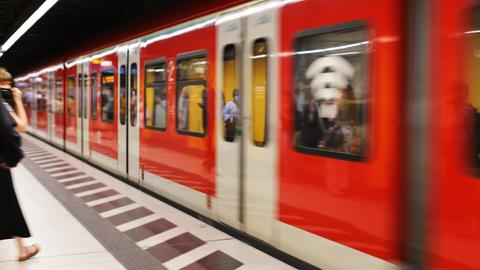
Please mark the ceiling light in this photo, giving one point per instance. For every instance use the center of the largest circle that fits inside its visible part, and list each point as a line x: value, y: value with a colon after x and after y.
x: 27, y: 24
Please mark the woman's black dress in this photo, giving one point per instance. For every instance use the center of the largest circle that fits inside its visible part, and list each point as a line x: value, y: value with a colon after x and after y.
x: 12, y: 222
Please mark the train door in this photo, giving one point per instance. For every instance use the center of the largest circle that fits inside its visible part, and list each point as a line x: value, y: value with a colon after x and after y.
x: 133, y: 108
x: 128, y: 135
x: 85, y: 109
x: 51, y: 104
x: 247, y: 108
x: 122, y: 111
x: 79, y: 116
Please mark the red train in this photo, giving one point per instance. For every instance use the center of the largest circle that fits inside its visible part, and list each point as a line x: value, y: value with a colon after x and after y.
x: 341, y: 132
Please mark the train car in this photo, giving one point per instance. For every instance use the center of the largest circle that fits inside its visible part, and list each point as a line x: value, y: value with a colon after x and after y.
x: 294, y: 131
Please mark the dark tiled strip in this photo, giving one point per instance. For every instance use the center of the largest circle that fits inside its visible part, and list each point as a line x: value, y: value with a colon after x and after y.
x: 128, y: 216
x: 40, y: 162
x: 99, y: 195
x: 55, y: 166
x: 215, y: 261
x: 150, y: 229
x: 70, y: 175
x: 87, y: 188
x: 78, y: 181
x: 112, y: 205
x: 175, y: 247
x: 64, y: 170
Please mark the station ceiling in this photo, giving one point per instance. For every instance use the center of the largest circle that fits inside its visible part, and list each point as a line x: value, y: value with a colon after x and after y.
x: 72, y: 27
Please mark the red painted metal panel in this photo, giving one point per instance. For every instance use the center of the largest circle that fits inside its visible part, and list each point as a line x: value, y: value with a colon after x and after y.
x: 184, y: 159
x: 357, y: 204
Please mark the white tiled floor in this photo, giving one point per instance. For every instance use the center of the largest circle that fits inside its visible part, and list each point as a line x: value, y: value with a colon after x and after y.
x: 65, y: 243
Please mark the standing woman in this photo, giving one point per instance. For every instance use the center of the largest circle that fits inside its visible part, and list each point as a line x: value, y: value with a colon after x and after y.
x: 13, y: 119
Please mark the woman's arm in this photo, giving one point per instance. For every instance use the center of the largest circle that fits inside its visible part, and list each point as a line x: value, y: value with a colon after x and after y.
x: 20, y: 116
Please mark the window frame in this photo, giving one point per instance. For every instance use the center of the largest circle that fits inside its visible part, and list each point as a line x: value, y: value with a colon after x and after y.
x: 236, y: 47
x: 179, y: 84
x: 365, y: 109
x: 156, y: 61
x: 57, y: 79
x: 129, y: 91
x: 267, y: 88
x: 74, y: 114
x: 125, y: 88
x: 113, y: 93
x: 94, y: 78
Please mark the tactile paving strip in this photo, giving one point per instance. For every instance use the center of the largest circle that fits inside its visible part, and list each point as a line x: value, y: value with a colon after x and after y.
x: 107, y: 210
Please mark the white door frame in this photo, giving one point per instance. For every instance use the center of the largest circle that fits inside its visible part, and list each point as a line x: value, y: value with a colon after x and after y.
x: 247, y: 174
x: 227, y: 204
x: 86, y: 110
x: 122, y: 128
x: 134, y: 128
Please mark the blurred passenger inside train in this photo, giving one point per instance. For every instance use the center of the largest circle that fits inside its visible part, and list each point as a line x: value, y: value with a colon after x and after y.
x: 183, y: 109
x: 231, y: 116
x: 12, y: 117
x: 108, y: 105
x: 160, y: 117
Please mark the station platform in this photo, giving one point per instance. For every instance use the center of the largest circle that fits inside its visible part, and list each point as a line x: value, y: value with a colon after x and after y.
x: 85, y: 219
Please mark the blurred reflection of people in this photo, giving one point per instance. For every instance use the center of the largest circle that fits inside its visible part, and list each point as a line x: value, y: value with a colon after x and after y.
x: 108, y: 106
x: 231, y: 116
x: 160, y: 116
x: 203, y: 106
x: 12, y: 223
x: 183, y: 107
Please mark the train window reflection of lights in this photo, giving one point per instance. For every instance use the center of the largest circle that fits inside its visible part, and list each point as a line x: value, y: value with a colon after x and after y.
x: 28, y: 23
x: 472, y: 32
x: 334, y: 48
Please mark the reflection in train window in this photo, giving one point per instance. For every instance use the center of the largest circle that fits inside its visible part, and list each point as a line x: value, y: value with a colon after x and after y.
x: 123, y: 94
x: 94, y: 101
x: 155, y: 96
x: 107, y: 99
x: 330, y: 92
x: 259, y: 92
x: 71, y: 96
x: 51, y: 94
x: 192, y: 95
x: 79, y: 95
x: 230, y: 94
x: 470, y: 92
x: 58, y: 96
x: 42, y: 89
x: 133, y: 94
x: 85, y: 96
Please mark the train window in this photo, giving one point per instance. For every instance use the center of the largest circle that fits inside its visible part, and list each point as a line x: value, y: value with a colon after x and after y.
x: 71, y: 95
x: 51, y: 94
x: 58, y: 96
x: 107, y: 99
x: 123, y: 94
x: 94, y: 101
x: 133, y: 94
x: 155, y: 96
x: 79, y: 95
x: 191, y: 94
x: 231, y: 94
x: 42, y: 89
x: 470, y: 92
x: 259, y: 92
x: 330, y: 91
x: 85, y: 96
